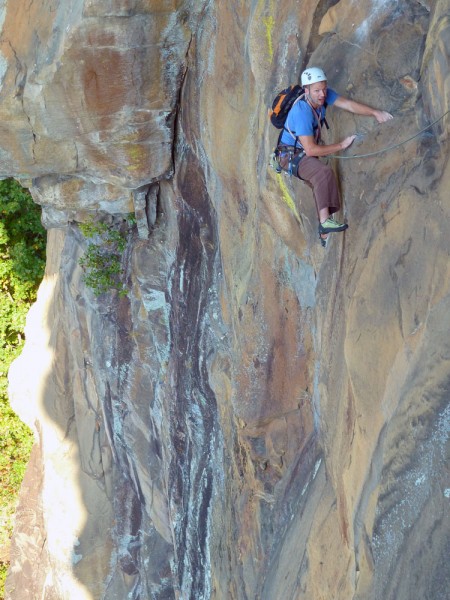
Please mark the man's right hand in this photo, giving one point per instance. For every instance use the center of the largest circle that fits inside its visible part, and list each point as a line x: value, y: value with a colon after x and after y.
x: 347, y: 142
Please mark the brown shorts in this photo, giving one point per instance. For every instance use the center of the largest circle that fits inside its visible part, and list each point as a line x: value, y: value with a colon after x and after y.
x: 317, y: 175
x: 322, y: 180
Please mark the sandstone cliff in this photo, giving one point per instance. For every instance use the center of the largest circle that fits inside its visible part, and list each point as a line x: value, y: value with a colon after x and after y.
x: 258, y: 418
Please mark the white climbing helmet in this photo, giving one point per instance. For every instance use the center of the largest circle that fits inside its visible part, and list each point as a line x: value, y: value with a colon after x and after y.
x: 313, y: 75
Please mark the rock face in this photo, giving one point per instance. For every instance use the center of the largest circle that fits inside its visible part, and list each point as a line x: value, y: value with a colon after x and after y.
x: 257, y: 418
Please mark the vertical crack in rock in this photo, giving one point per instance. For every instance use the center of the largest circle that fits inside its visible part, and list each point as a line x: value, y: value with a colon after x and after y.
x: 315, y: 38
x: 177, y: 109
x: 21, y: 80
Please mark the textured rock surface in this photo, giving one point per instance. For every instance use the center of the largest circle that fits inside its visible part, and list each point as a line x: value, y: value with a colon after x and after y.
x: 257, y: 418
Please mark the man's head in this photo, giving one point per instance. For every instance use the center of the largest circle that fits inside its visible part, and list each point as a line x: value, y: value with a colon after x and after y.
x: 314, y: 81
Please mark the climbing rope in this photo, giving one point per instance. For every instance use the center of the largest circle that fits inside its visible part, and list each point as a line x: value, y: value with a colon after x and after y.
x: 390, y: 147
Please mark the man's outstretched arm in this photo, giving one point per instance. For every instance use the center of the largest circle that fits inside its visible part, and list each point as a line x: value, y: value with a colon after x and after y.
x: 311, y: 148
x: 362, y: 109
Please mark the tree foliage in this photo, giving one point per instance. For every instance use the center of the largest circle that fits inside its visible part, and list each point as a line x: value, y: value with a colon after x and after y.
x: 102, y: 261
x: 22, y: 262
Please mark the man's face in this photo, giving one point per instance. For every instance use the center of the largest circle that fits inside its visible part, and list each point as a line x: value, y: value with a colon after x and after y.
x: 317, y: 93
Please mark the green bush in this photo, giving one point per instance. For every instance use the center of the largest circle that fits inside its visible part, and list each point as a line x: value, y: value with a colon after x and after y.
x: 102, y: 261
x: 22, y: 263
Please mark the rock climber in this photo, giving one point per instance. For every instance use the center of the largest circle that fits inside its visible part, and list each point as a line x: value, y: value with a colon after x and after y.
x: 302, y: 136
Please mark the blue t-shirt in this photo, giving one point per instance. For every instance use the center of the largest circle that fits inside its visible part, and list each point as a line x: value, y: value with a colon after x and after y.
x: 301, y: 119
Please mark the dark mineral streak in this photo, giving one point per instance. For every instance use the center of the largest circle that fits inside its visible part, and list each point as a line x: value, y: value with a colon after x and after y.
x: 193, y: 414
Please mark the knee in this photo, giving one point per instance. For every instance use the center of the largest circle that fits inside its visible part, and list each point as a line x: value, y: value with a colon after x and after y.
x: 327, y: 178
x: 328, y: 173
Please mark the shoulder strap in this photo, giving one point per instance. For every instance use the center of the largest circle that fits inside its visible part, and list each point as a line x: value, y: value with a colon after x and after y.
x: 286, y: 126
x: 319, y: 123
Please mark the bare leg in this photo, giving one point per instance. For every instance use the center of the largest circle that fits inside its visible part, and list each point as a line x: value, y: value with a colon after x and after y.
x: 324, y: 213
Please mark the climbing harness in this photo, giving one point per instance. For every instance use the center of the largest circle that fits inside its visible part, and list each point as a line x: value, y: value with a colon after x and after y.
x: 293, y: 155
x: 390, y: 147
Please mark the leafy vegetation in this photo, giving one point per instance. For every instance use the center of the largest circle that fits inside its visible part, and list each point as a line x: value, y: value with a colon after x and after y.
x: 102, y: 262
x: 22, y: 262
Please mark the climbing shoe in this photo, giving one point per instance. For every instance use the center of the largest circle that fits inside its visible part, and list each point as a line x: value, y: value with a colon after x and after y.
x: 331, y: 226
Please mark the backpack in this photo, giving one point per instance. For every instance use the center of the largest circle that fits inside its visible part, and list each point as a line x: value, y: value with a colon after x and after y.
x: 283, y: 103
